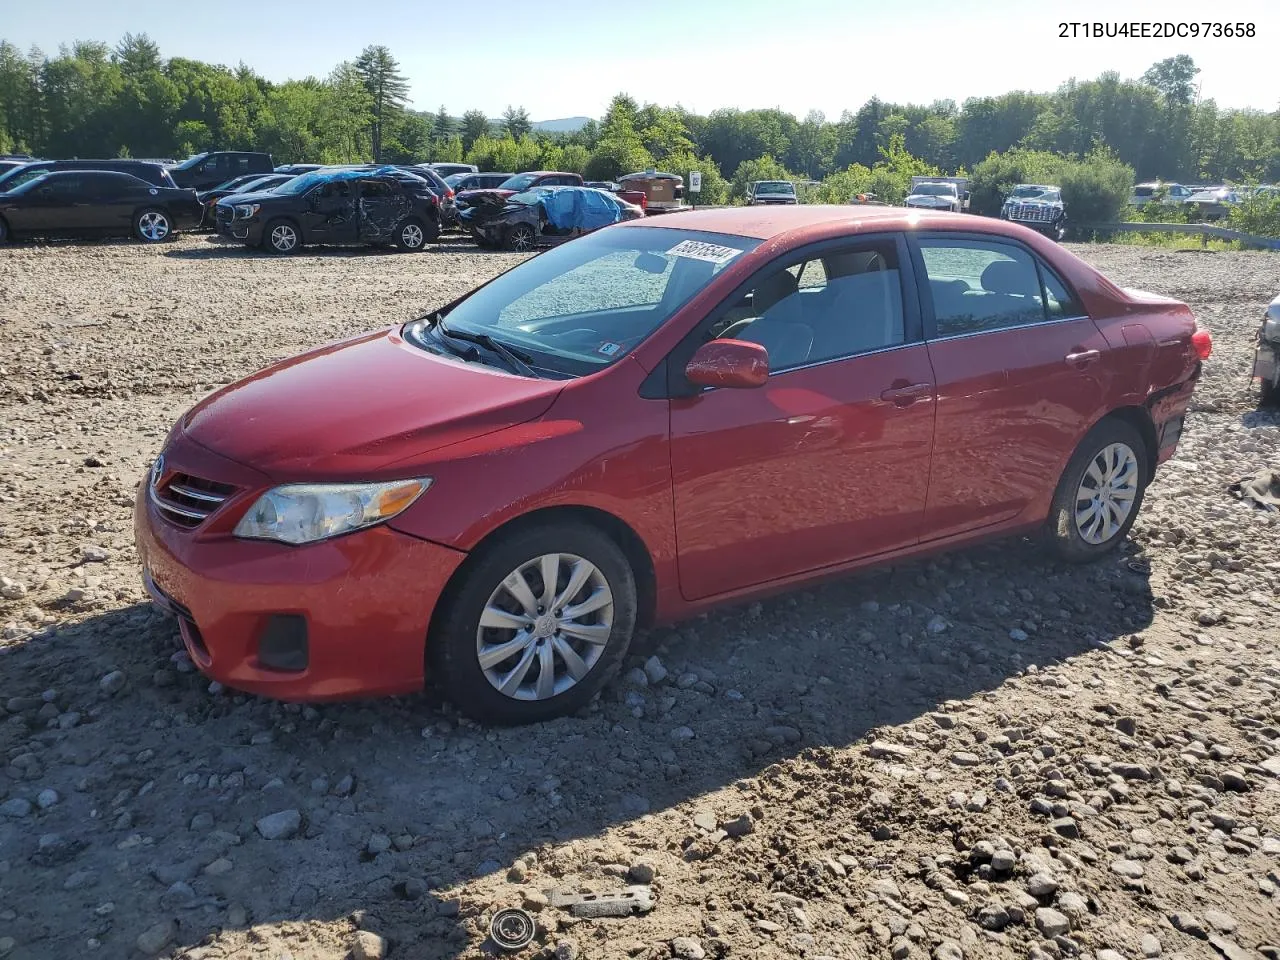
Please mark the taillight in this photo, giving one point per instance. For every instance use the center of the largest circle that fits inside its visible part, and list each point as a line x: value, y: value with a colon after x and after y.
x: 448, y: 193
x: 1203, y: 343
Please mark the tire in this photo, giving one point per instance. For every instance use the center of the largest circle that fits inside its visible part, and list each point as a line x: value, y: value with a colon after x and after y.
x: 1059, y: 232
x: 276, y: 237
x: 1112, y: 448
x: 457, y: 637
x: 1270, y: 396
x: 520, y: 238
x: 411, y: 236
x: 152, y: 225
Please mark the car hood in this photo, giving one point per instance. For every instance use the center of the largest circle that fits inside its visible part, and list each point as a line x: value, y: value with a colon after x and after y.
x: 256, y: 197
x: 473, y: 195
x: 352, y: 409
x: 931, y: 200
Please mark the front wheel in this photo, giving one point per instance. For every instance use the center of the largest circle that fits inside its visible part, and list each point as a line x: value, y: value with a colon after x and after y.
x: 537, y: 625
x: 520, y: 238
x: 1100, y: 492
x: 281, y: 236
x: 1059, y: 232
x: 1270, y: 389
x: 152, y: 225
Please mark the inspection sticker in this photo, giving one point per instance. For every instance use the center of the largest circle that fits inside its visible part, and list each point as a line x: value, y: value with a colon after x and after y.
x: 609, y: 349
x: 699, y: 250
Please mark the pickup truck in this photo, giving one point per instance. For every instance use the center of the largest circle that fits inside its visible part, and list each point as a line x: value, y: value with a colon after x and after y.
x: 935, y: 195
x: 772, y: 192
x: 1037, y: 206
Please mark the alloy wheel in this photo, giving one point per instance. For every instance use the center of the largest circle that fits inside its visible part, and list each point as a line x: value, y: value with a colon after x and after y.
x: 545, y: 626
x: 411, y: 236
x: 284, y: 238
x: 521, y: 239
x: 153, y: 226
x: 1107, y: 493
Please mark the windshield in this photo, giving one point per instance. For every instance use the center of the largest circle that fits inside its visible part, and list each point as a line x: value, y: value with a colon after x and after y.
x: 20, y: 175
x: 255, y: 184
x: 530, y: 197
x: 456, y: 178
x: 35, y: 179
x: 190, y: 162
x: 934, y: 190
x: 775, y: 186
x: 521, y: 181
x: 585, y: 304
x: 299, y: 184
x: 1034, y: 193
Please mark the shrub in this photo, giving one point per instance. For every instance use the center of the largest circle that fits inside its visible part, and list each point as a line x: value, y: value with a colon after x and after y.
x: 1257, y: 215
x: 715, y: 188
x: 994, y: 177
x: 1095, y: 188
x: 750, y: 171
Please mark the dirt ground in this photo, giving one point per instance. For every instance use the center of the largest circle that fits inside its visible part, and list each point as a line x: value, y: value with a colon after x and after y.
x: 985, y: 755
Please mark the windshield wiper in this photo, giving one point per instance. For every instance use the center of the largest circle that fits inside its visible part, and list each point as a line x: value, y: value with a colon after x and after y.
x: 517, y: 360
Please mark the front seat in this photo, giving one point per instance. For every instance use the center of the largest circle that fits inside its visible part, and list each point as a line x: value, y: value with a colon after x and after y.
x: 779, y: 324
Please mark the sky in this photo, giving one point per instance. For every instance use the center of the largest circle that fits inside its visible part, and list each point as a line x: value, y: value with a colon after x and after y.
x: 569, y: 57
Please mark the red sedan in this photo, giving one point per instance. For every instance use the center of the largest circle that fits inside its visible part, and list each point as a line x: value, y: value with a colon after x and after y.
x: 652, y: 419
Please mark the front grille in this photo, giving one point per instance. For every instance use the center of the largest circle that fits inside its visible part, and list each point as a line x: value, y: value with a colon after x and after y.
x: 1033, y: 212
x: 188, y: 501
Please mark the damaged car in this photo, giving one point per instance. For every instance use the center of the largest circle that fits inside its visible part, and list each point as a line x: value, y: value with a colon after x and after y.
x: 1266, y: 361
x: 517, y: 184
x: 545, y: 216
x: 1039, y: 207
x: 379, y: 207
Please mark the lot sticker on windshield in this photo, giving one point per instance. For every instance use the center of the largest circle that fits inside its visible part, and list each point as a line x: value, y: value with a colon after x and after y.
x: 608, y: 349
x: 698, y: 250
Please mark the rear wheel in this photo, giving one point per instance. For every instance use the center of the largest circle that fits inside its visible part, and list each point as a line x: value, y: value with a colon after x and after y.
x: 520, y: 238
x: 1100, y: 492
x: 152, y: 225
x: 281, y: 236
x: 537, y: 625
x: 411, y: 235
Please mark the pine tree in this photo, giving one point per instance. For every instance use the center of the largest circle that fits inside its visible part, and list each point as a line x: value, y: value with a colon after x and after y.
x: 443, y: 125
x: 388, y: 88
x: 516, y: 120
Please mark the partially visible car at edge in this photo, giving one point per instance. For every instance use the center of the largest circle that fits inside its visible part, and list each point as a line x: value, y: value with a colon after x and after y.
x: 96, y: 203
x: 152, y: 173
x: 459, y: 182
x: 297, y: 168
x: 499, y: 494
x: 1158, y: 192
x: 447, y: 170
x: 250, y: 183
x: 1266, y: 359
x: 1038, y: 206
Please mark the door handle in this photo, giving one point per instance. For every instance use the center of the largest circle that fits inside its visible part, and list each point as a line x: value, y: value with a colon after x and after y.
x: 907, y: 395
x: 1082, y: 358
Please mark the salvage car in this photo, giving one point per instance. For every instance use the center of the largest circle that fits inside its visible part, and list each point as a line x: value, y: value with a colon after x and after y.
x: 545, y: 215
x: 153, y: 173
x: 96, y: 203
x: 205, y: 171
x: 518, y: 184
x: 1266, y: 360
x: 1039, y: 207
x: 377, y: 207
x: 645, y: 422
x: 459, y: 182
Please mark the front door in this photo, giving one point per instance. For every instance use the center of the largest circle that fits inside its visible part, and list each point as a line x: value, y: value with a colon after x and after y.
x: 1017, y: 379
x: 331, y: 213
x: 57, y: 206
x: 829, y: 460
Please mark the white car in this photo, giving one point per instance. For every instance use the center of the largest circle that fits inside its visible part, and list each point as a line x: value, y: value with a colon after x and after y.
x: 1157, y: 192
x: 935, y: 196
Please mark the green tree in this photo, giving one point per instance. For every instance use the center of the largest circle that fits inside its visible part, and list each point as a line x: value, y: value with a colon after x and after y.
x: 387, y: 87
x: 750, y: 171
x: 515, y: 120
x: 443, y: 127
x: 474, y: 126
x: 1175, y: 78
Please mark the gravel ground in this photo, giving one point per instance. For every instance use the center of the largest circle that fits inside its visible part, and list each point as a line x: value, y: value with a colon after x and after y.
x: 985, y: 755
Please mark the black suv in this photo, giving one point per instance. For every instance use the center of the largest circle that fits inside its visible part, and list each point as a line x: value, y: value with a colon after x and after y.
x: 376, y: 207
x: 152, y: 173
x: 205, y: 171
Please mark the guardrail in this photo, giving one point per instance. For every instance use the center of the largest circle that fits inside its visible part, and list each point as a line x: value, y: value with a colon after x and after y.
x: 1202, y: 229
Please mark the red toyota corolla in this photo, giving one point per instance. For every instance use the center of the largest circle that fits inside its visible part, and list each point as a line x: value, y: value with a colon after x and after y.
x: 646, y: 421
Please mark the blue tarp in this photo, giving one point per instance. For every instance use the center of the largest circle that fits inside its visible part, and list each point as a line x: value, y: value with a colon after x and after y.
x: 581, y: 208
x: 308, y: 180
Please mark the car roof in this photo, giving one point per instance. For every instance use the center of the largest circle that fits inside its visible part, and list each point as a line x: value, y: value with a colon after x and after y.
x: 801, y: 223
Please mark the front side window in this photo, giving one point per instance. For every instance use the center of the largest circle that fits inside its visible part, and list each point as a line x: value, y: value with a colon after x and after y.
x: 978, y: 286
x: 840, y: 304
x: 583, y: 305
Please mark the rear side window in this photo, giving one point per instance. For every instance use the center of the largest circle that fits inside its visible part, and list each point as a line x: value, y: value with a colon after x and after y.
x: 978, y: 287
x: 1059, y: 301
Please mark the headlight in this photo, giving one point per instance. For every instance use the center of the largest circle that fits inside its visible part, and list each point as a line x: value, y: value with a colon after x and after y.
x: 1271, y: 328
x: 246, y: 210
x: 304, y: 512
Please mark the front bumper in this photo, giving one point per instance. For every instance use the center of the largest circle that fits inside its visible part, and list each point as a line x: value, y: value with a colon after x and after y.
x: 1266, y: 362
x: 366, y: 600
x: 245, y: 231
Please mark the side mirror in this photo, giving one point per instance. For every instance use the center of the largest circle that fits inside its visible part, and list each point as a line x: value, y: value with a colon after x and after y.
x: 728, y: 363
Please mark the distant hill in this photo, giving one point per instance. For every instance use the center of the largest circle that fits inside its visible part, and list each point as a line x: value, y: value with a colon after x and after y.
x: 565, y: 125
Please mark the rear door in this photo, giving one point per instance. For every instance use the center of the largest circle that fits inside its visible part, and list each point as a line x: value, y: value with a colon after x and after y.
x: 829, y: 460
x: 382, y: 206
x: 1017, y: 373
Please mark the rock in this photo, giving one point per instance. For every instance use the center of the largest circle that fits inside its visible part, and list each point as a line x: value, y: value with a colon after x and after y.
x: 414, y: 888
x: 12, y: 589
x: 936, y: 625
x: 948, y: 950
x: 1066, y: 827
x: 156, y: 938
x: 642, y: 871
x: 1221, y: 921
x: 219, y: 868
x: 1051, y: 923
x: 344, y: 787
x: 965, y: 759
x: 92, y: 553
x: 518, y: 872
x: 47, y: 798
x: 654, y: 671
x: 16, y: 807
x: 6, y: 945
x: 687, y: 948
x: 681, y: 734
x: 1018, y: 635
x: 1189, y: 924
x: 739, y: 826
x: 112, y: 683
x: 883, y: 750
x: 1130, y: 869
x: 378, y: 843
x: 1041, y: 884
x: 1150, y: 945
x: 1230, y: 950
x: 1110, y: 955
x: 280, y: 825
x: 993, y: 916
x: 566, y: 950
x: 368, y: 946
x: 1003, y: 861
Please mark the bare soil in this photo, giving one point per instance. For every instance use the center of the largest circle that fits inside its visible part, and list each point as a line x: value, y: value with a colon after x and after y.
x: 983, y: 755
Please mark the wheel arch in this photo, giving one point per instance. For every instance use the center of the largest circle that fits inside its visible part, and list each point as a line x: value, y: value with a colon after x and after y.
x: 617, y: 530
x: 1140, y: 419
